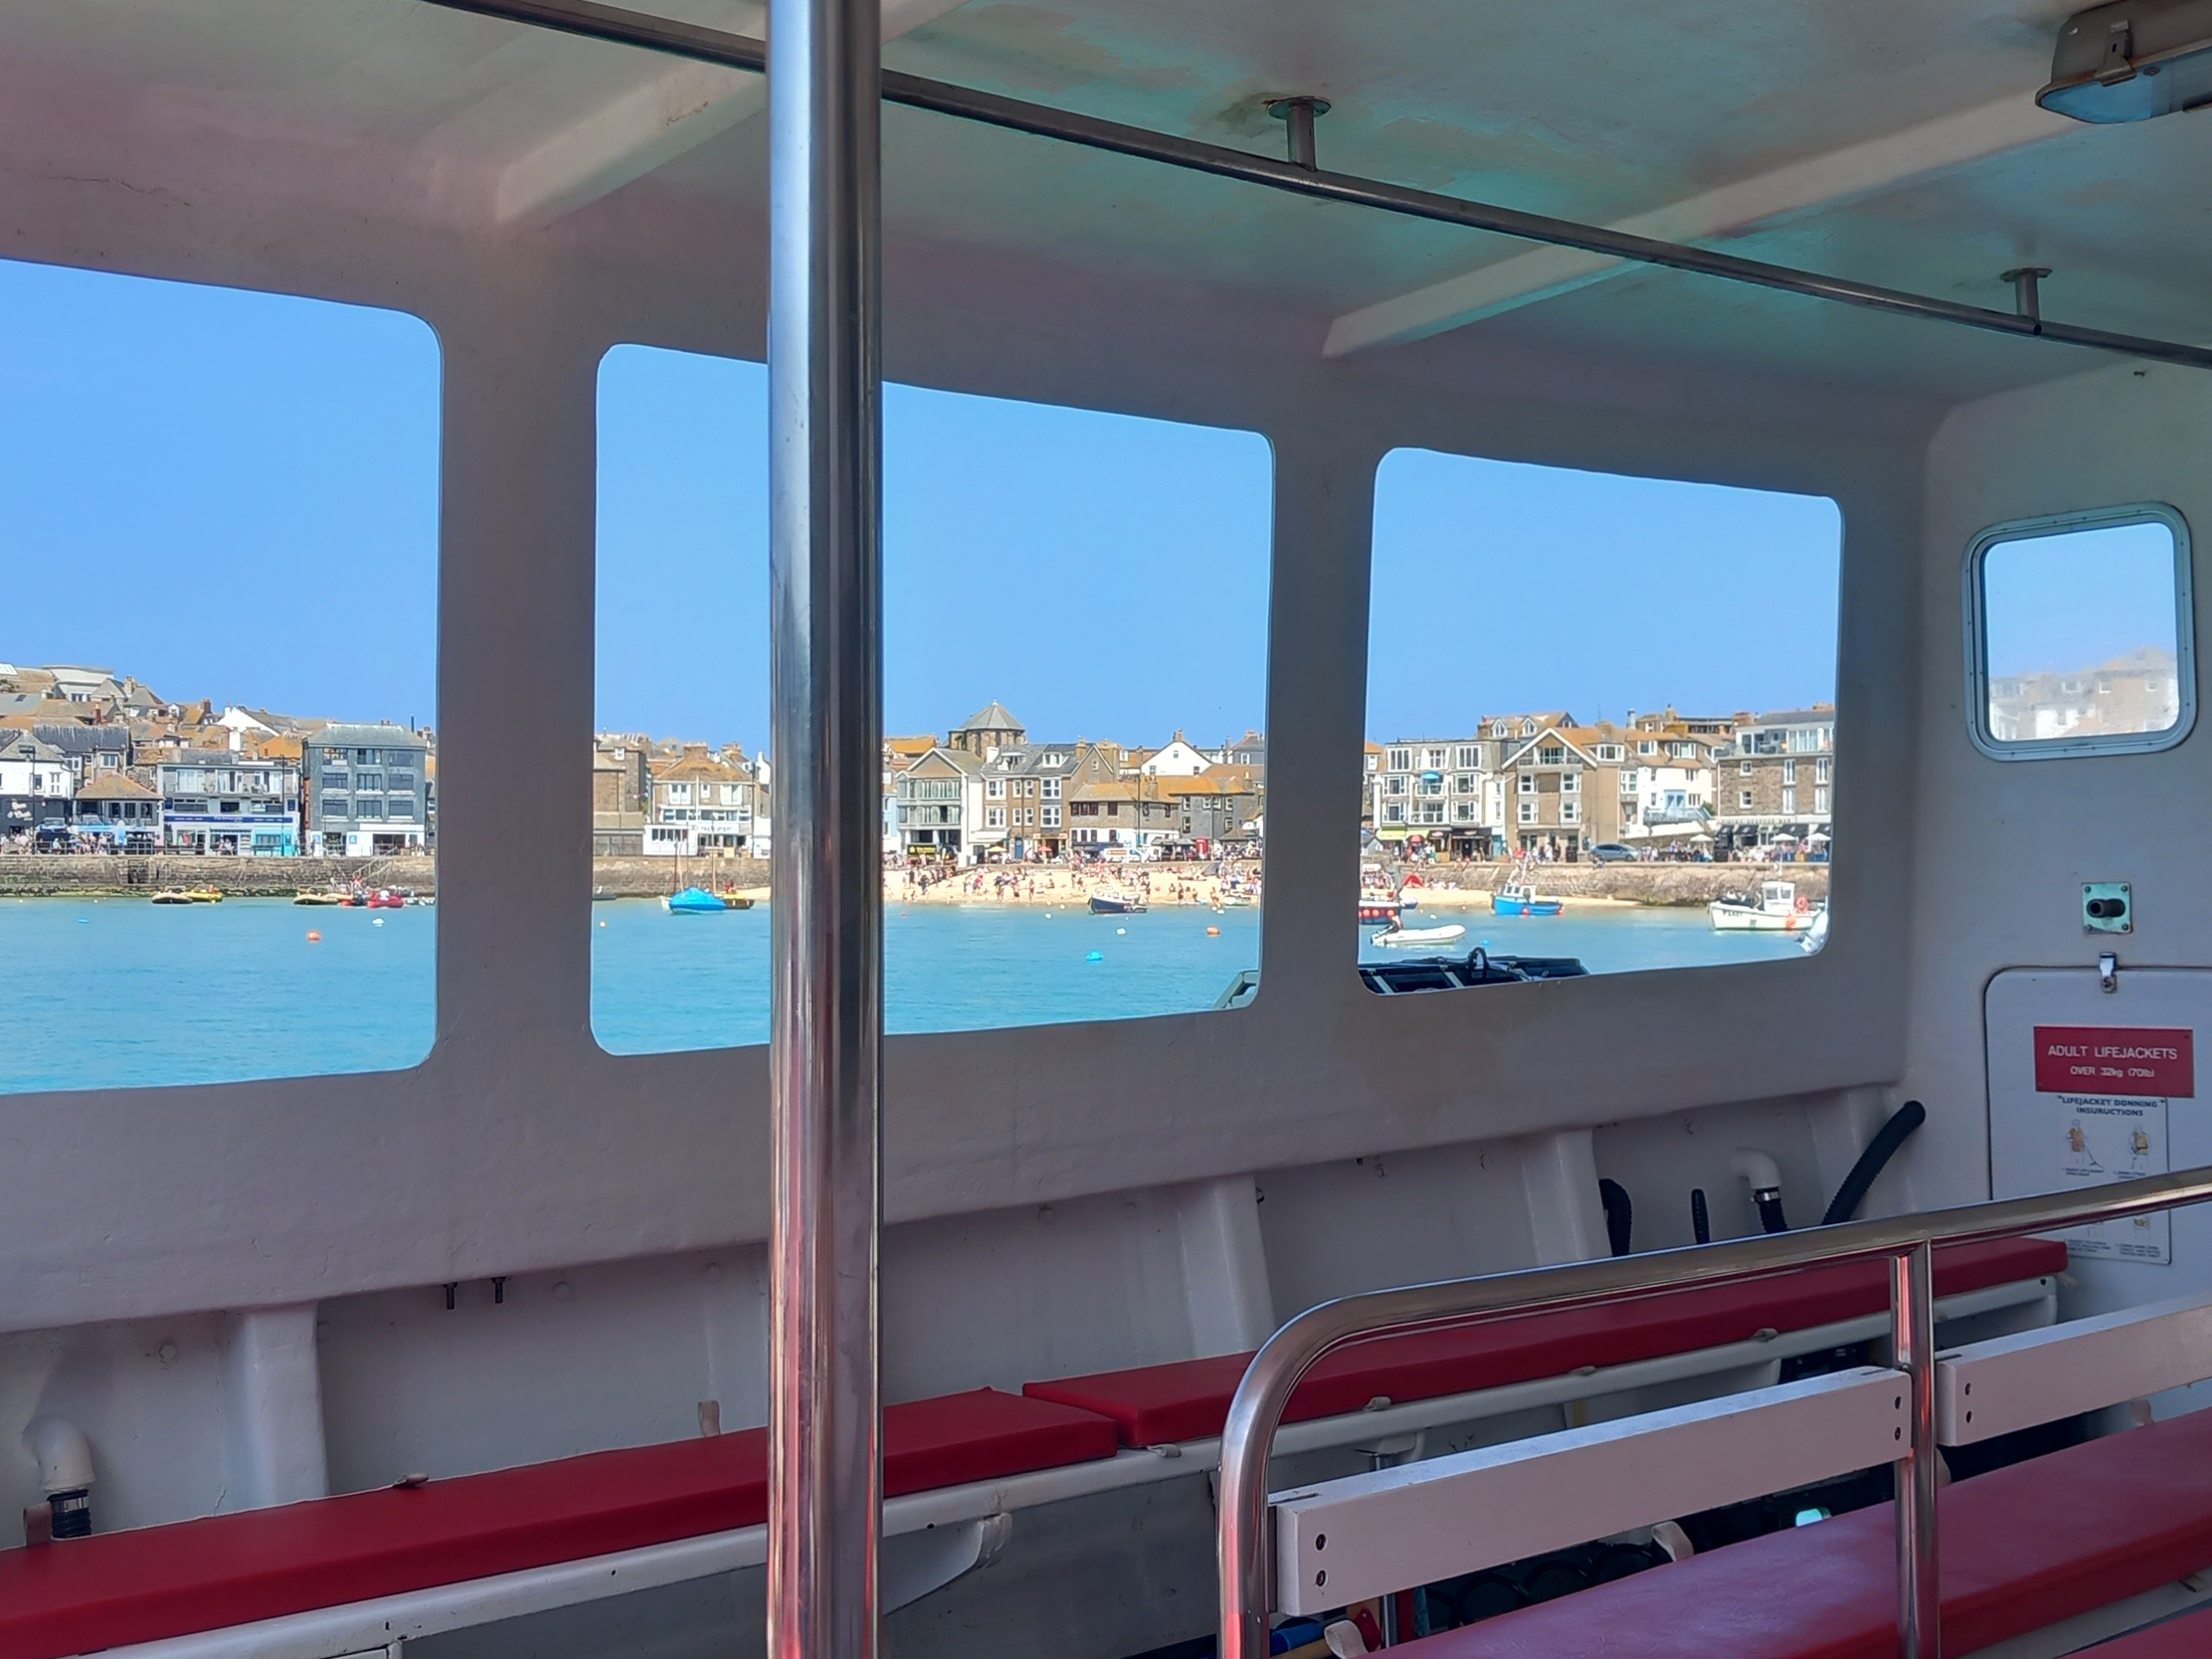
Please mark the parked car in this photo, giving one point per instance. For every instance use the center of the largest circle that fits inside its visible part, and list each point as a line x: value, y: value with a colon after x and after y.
x: 1612, y: 853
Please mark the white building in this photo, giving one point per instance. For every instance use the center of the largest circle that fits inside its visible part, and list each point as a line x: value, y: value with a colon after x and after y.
x: 1177, y: 760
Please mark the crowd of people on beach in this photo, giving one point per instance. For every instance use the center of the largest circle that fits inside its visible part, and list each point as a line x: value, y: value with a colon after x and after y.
x: 1215, y: 882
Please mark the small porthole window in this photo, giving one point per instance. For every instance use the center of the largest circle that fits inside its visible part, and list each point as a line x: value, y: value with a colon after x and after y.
x: 2079, y: 635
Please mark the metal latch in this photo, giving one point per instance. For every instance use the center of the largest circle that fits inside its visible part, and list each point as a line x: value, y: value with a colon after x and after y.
x: 2107, y: 972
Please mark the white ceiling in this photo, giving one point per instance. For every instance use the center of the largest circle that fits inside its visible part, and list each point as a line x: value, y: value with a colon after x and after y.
x: 1890, y: 141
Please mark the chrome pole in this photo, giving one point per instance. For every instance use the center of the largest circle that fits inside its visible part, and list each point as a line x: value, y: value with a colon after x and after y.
x: 824, y: 389
x: 1920, y: 1589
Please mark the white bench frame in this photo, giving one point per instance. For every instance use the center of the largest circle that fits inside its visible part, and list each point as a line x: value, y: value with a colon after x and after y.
x: 958, y: 1527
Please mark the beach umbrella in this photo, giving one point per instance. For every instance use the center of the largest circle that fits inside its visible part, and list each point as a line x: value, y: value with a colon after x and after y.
x: 1701, y: 837
x: 1785, y: 835
x: 1817, y: 837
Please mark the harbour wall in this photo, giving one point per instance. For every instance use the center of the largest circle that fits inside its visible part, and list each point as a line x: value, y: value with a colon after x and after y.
x: 65, y: 874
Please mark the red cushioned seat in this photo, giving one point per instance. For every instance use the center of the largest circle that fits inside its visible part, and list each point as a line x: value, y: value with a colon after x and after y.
x: 1189, y: 1399
x: 2187, y: 1637
x: 2022, y: 1548
x: 154, y: 1582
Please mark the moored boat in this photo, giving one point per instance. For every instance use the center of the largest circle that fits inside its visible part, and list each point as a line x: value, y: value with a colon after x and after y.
x: 1778, y: 909
x: 1519, y: 898
x: 174, y: 895
x: 1412, y: 937
x: 697, y: 901
x: 325, y: 897
x: 1117, y: 904
x: 1380, y: 907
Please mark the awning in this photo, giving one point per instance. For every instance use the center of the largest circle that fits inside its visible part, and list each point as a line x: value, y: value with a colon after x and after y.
x: 1391, y: 835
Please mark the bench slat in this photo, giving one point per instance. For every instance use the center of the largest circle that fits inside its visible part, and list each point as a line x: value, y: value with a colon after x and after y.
x: 2022, y: 1547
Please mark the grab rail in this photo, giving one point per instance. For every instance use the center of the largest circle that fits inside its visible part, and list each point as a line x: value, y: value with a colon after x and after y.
x: 1909, y: 1241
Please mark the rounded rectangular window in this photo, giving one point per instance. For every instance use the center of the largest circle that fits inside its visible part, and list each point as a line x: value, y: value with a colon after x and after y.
x: 1601, y: 724
x: 1075, y: 654
x: 2079, y: 635
x: 218, y: 744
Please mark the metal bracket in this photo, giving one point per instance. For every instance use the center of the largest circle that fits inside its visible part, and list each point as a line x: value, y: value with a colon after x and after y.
x: 916, y: 1564
x: 2107, y: 972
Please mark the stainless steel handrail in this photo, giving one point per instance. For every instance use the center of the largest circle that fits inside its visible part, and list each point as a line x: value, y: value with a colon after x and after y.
x: 1907, y: 1240
x: 592, y: 19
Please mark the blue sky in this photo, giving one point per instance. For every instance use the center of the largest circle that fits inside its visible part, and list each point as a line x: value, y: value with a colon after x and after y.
x: 230, y: 479
x: 1100, y: 575
x: 232, y: 496
x: 1503, y: 588
x: 2077, y: 600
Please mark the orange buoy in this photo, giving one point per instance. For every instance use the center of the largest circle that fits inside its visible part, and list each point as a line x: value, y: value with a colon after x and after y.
x: 1214, y: 933
x: 313, y: 938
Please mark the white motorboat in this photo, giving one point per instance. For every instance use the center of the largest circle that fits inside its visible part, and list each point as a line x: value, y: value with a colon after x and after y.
x: 1778, y: 909
x: 1406, y: 937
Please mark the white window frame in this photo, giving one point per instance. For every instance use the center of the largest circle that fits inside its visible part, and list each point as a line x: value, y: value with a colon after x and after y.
x: 1977, y: 643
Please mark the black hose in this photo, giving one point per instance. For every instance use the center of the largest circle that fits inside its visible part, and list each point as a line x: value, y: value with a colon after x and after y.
x: 1620, y: 1214
x: 1771, y: 1212
x: 1879, y: 1152
x: 1701, y: 1223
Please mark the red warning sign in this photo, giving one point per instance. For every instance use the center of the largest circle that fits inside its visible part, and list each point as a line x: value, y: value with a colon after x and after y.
x: 2116, y: 1059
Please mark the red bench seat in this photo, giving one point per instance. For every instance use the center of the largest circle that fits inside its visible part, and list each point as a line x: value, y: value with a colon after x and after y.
x: 2022, y: 1548
x: 170, y: 1581
x: 1189, y: 1399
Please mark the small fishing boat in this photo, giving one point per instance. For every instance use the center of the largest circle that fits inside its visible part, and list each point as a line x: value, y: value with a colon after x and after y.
x: 694, y: 902
x: 318, y: 898
x: 1380, y: 907
x: 174, y: 895
x: 1117, y: 904
x: 1412, y: 937
x: 203, y: 895
x: 1778, y: 909
x: 1519, y: 898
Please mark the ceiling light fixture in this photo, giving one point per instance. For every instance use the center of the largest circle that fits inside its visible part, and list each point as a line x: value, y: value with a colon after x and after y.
x: 2132, y: 60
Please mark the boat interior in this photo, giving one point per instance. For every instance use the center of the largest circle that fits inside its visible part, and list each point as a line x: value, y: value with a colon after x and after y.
x: 491, y: 1355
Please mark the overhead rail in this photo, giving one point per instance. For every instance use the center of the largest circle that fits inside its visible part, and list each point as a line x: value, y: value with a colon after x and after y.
x: 1908, y: 1241
x: 619, y: 26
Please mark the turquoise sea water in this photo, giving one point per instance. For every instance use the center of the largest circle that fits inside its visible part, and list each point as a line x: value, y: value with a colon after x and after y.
x: 120, y: 991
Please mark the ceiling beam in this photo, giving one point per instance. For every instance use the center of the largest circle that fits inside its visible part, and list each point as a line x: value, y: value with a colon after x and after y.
x: 652, y: 122
x: 1826, y: 180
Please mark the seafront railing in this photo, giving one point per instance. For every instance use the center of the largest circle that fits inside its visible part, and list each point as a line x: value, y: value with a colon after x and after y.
x: 1244, y: 1542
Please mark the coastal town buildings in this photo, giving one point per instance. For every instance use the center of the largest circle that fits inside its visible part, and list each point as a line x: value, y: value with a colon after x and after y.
x: 622, y: 788
x: 1777, y: 780
x: 120, y: 809
x: 217, y: 801
x: 703, y: 806
x: 116, y: 766
x: 1441, y: 791
x: 934, y: 802
x: 36, y: 784
x: 988, y: 729
x: 367, y: 790
x: 1031, y: 782
x: 2137, y: 693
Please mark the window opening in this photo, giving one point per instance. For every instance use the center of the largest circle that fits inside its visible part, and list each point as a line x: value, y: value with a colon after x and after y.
x: 1611, y: 732
x: 223, y: 467
x: 2079, y: 635
x: 1073, y: 816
